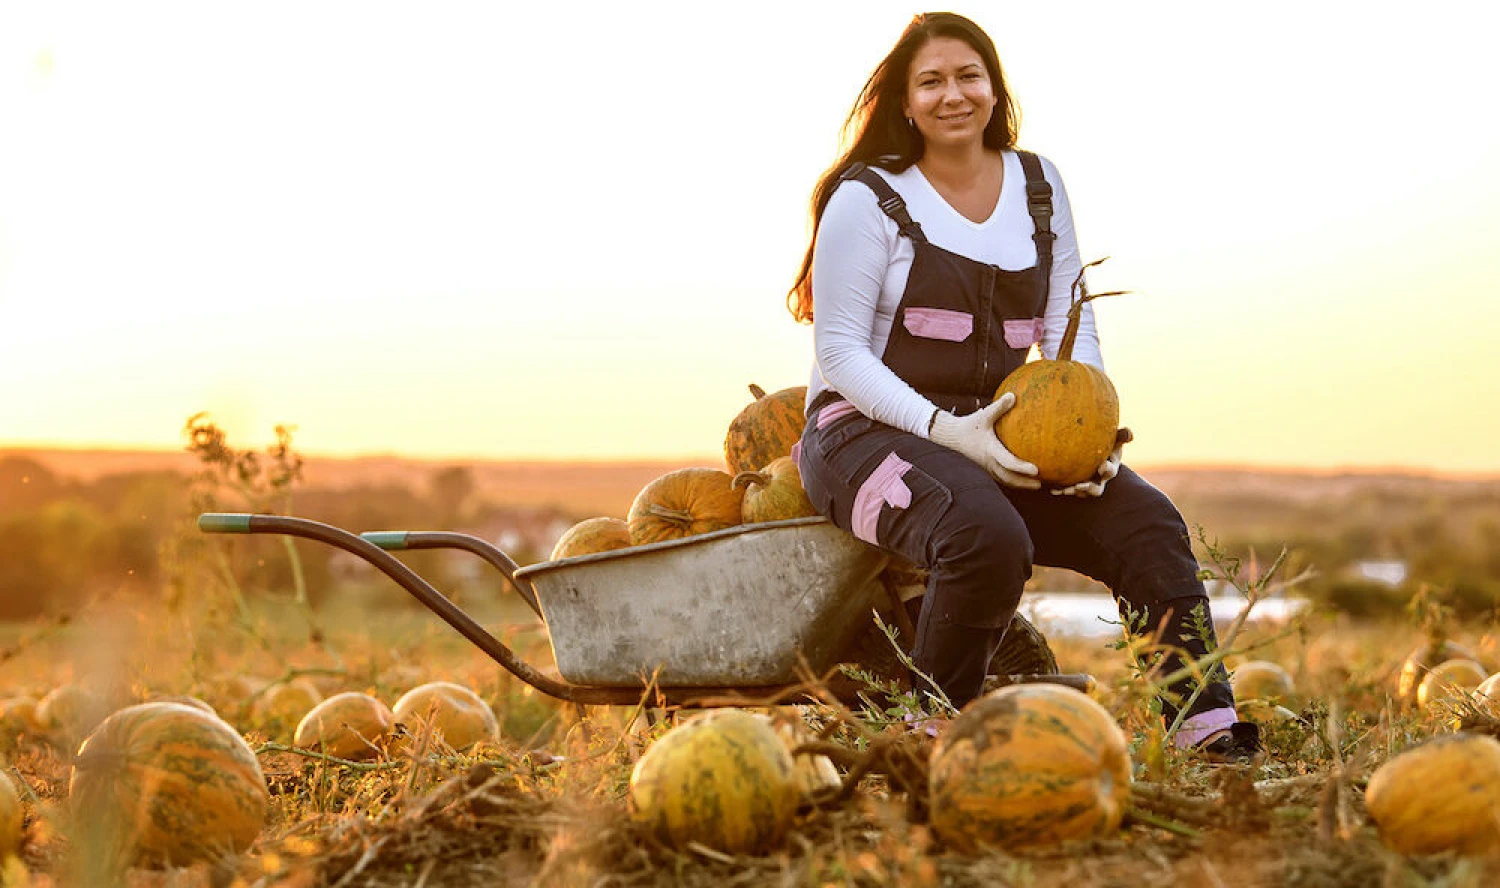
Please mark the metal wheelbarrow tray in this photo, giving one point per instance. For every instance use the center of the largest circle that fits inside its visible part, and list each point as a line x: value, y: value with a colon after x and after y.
x: 736, y: 617
x: 748, y: 606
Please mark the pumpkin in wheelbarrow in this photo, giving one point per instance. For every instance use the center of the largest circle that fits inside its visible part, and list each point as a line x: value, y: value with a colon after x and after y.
x: 683, y: 503
x: 1028, y: 765
x: 165, y: 783
x: 723, y: 779
x: 766, y: 429
x: 774, y: 493
x: 591, y: 536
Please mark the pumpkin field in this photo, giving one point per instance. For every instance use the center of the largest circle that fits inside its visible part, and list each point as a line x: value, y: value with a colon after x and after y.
x: 257, y: 717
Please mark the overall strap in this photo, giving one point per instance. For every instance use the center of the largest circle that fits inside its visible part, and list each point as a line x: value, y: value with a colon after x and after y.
x: 1039, y: 204
x: 890, y: 202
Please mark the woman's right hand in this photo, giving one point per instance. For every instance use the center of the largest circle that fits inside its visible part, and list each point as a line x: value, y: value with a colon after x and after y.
x: 974, y: 437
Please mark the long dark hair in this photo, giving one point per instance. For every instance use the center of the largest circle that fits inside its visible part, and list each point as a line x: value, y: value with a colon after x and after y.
x: 880, y: 134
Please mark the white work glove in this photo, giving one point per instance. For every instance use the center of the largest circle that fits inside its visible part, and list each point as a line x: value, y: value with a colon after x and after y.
x: 974, y: 437
x: 1107, y: 470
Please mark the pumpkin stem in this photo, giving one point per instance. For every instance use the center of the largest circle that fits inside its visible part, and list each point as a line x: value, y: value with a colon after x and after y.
x: 676, y: 516
x: 1079, y: 297
x: 757, y: 391
x: 745, y: 479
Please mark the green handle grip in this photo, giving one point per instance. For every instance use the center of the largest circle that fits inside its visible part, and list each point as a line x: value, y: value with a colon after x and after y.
x: 224, y: 522
x: 390, y: 540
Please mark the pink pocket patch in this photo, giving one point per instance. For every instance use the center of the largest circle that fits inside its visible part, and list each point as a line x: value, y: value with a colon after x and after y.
x: 1023, y: 333
x: 884, y: 487
x: 938, y: 323
x: 834, y: 411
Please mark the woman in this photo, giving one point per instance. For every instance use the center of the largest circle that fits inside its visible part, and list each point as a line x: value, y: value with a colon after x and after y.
x: 940, y: 254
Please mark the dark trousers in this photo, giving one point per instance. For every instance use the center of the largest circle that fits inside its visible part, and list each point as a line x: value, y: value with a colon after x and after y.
x: 978, y: 540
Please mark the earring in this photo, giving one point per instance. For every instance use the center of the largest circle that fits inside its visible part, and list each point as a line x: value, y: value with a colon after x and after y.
x: 911, y: 123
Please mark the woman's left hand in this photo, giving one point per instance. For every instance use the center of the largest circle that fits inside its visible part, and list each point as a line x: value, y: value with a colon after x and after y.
x: 1107, y: 470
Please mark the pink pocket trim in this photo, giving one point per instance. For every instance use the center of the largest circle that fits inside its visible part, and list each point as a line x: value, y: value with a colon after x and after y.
x: 938, y: 323
x: 884, y: 487
x: 834, y: 411
x: 1204, y: 724
x: 1023, y: 333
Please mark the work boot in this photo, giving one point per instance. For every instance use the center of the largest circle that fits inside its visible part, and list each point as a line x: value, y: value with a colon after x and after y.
x: 1236, y: 745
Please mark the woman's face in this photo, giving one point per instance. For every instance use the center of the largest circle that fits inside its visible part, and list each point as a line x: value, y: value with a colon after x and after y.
x: 949, y: 97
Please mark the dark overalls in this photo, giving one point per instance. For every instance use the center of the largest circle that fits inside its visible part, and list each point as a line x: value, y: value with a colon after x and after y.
x: 961, y: 327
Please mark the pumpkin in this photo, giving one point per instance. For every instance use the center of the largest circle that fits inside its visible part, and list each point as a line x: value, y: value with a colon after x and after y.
x: 166, y: 783
x: 682, y: 503
x: 1442, y: 795
x: 1262, y: 680
x: 1415, y: 667
x: 281, y: 705
x: 1448, y: 681
x: 1028, y: 765
x: 12, y: 818
x: 350, y: 725
x: 774, y: 493
x: 1066, y: 414
x: 766, y: 429
x: 18, y: 716
x: 722, y: 779
x: 812, y: 773
x: 69, y: 712
x: 592, y: 535
x: 185, y: 700
x: 457, y: 714
x: 1487, y: 696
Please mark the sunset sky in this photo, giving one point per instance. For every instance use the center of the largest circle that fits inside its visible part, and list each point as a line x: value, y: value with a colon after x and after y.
x: 495, y: 231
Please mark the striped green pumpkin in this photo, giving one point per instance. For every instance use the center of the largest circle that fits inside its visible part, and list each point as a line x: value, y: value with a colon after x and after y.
x: 765, y: 430
x: 723, y: 779
x: 1028, y: 765
x: 166, y: 783
x: 11, y: 818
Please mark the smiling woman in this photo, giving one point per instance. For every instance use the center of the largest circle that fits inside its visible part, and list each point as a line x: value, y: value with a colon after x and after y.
x: 940, y: 255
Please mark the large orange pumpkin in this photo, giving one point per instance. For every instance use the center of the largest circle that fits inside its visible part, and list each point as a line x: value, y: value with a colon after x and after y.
x: 163, y: 782
x: 1067, y: 413
x: 350, y: 725
x: 592, y: 535
x: 458, y: 715
x: 12, y: 818
x: 1443, y: 795
x: 1028, y: 765
x: 682, y: 503
x: 774, y: 493
x: 766, y: 429
x: 722, y: 779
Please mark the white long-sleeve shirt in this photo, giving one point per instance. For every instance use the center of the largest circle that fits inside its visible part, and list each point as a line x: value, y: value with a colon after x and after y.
x: 860, y: 267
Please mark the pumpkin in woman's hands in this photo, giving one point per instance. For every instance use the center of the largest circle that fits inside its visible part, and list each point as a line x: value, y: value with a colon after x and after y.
x: 774, y: 493
x: 1067, y: 413
x: 766, y: 429
x: 683, y: 503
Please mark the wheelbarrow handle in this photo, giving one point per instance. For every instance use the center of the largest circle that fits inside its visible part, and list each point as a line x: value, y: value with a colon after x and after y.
x: 408, y: 540
x: 217, y: 522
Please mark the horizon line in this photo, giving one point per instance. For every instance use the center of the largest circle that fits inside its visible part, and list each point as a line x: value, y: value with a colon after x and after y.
x: 705, y: 459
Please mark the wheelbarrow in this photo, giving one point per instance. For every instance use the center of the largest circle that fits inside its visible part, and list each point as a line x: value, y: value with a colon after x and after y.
x: 741, y: 616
